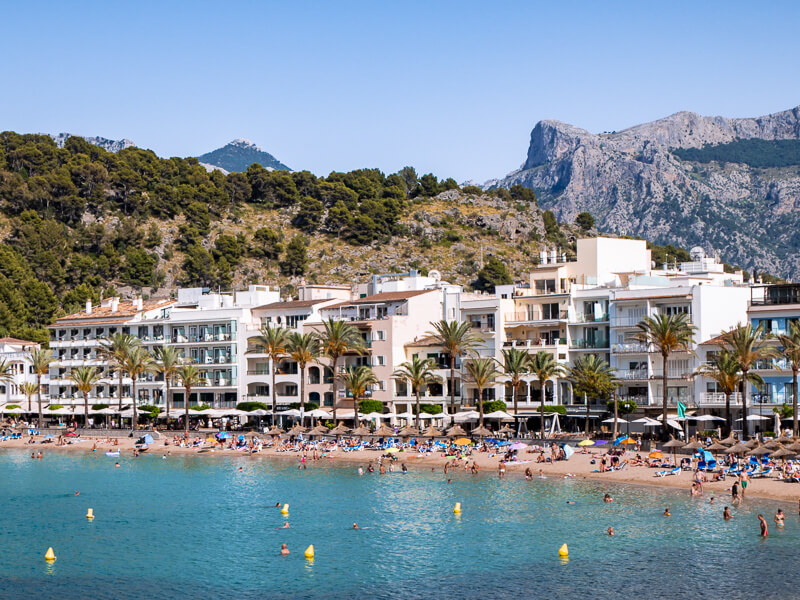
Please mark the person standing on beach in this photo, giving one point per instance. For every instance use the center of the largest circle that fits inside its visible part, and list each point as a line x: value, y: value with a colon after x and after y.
x: 735, y: 492
x: 745, y: 480
x: 763, y: 522
x: 501, y: 470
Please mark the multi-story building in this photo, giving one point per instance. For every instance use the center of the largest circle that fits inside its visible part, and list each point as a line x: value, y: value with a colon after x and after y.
x: 16, y: 353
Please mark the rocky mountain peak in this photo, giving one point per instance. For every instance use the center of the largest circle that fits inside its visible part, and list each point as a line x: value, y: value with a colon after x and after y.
x: 104, y: 143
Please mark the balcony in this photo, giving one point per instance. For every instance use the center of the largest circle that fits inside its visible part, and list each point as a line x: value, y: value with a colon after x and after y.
x: 767, y: 295
x: 535, y: 316
x: 671, y: 374
x: 632, y: 374
x: 530, y: 344
x: 626, y: 321
x: 581, y: 318
x: 718, y: 399
x: 629, y: 348
x: 589, y: 344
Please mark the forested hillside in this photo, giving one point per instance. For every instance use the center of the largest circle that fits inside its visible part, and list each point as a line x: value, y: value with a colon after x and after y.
x: 78, y: 222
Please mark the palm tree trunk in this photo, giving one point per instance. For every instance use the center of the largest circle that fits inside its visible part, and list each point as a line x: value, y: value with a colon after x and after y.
x: 453, y: 385
x: 274, y: 368
x: 419, y: 423
x: 302, y: 393
x: 334, y: 360
x: 480, y: 402
x: 166, y: 400
x: 86, y: 409
x: 616, y: 414
x: 794, y: 402
x: 133, y: 398
x: 744, y: 405
x: 355, y: 410
x: 541, y: 413
x: 665, y: 394
x: 515, y: 393
x: 186, y: 409
x: 586, y: 427
x: 728, y: 422
x: 41, y: 418
x: 29, y: 398
x: 120, y: 390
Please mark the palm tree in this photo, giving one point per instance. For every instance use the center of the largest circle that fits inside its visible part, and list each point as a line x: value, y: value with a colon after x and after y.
x: 337, y: 339
x: 85, y: 378
x: 167, y: 360
x: 114, y: 350
x: 456, y: 339
x: 748, y: 346
x: 791, y: 352
x: 7, y: 376
x: 592, y: 377
x: 667, y: 334
x: 723, y: 368
x: 419, y: 373
x: 483, y: 372
x: 357, y: 380
x: 138, y: 361
x: 272, y: 341
x: 29, y: 389
x: 303, y: 348
x: 189, y: 376
x: 40, y: 363
x: 516, y: 363
x: 545, y: 367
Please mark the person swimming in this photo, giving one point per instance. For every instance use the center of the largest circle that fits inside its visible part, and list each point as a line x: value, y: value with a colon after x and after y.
x: 726, y: 513
x: 667, y: 513
x: 355, y: 525
x: 77, y: 493
x: 116, y: 465
x: 610, y: 531
x: 607, y: 498
x: 284, y: 526
x: 284, y: 550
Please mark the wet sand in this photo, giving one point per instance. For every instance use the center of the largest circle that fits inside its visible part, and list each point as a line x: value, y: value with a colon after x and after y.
x: 578, y: 466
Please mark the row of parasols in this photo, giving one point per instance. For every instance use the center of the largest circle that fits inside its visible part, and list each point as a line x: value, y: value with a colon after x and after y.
x: 782, y: 447
x: 456, y: 431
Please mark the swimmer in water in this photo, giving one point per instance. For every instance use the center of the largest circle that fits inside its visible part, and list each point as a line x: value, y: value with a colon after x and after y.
x: 277, y: 504
x: 284, y: 526
x: 284, y: 550
x: 116, y: 465
x: 667, y: 513
x: 610, y: 531
x: 241, y: 469
x: 711, y: 501
x: 607, y: 498
x: 355, y: 525
x: 726, y: 514
x: 779, y: 518
x: 77, y: 493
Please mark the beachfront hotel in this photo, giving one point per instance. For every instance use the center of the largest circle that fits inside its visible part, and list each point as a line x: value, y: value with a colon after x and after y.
x: 16, y: 353
x: 590, y: 304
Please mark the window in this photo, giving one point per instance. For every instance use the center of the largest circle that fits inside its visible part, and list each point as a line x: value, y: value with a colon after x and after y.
x: 293, y: 320
x: 382, y: 386
x: 381, y: 361
x: 381, y: 335
x: 490, y: 322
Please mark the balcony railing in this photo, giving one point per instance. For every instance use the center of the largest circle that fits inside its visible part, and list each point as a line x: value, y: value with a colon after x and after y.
x: 540, y: 343
x: 629, y: 348
x: 718, y: 398
x: 589, y: 344
x: 536, y: 315
x: 626, y: 321
x: 631, y: 374
x: 590, y: 318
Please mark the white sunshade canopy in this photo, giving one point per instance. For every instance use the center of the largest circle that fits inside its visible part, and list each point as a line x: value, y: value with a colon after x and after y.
x: 756, y: 418
x: 373, y: 415
x: 317, y: 413
x: 500, y: 415
x: 406, y: 415
x: 259, y: 412
x: 611, y: 420
x: 292, y: 412
x: 233, y: 412
x: 707, y: 418
x: 470, y: 415
x: 647, y: 421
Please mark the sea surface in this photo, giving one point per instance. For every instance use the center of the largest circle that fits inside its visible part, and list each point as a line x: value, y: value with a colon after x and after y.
x: 195, y: 526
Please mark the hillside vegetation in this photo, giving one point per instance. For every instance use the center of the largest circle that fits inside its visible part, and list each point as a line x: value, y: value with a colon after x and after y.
x: 762, y: 154
x: 80, y: 223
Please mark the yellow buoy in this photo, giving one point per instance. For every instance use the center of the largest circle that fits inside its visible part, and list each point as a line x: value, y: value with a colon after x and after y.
x: 90, y: 514
x: 563, y: 551
x: 50, y: 555
x: 285, y: 509
x: 457, y: 508
x: 309, y: 553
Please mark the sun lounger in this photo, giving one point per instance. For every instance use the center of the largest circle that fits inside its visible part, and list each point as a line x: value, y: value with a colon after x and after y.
x: 762, y: 473
x: 674, y: 471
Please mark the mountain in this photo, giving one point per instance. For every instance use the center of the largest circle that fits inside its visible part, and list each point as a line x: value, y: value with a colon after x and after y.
x: 105, y: 143
x: 729, y: 185
x: 238, y: 155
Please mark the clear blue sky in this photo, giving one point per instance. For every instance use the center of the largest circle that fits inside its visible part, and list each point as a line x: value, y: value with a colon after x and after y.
x: 449, y: 87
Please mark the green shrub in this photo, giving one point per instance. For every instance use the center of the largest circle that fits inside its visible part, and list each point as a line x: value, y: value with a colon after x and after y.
x: 199, y: 406
x: 368, y: 406
x: 309, y: 405
x: 99, y: 406
x: 562, y: 410
x: 248, y: 406
x: 150, y: 409
x: 431, y: 409
x: 51, y: 407
x: 493, y: 405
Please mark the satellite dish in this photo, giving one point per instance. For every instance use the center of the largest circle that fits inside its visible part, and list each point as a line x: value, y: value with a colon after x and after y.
x: 435, y: 275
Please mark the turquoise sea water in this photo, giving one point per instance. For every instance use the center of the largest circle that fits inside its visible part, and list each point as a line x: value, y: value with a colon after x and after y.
x: 195, y: 526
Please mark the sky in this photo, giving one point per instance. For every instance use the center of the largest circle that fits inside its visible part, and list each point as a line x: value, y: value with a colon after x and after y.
x: 449, y: 87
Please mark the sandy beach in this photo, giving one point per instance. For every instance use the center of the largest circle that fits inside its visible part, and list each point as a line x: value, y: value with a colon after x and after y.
x: 578, y: 466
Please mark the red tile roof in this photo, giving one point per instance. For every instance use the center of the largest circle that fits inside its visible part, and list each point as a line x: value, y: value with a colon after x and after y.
x: 293, y: 304
x: 102, y: 314
x: 383, y: 297
x: 11, y: 340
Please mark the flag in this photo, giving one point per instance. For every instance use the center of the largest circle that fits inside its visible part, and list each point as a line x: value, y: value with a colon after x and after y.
x: 681, y: 409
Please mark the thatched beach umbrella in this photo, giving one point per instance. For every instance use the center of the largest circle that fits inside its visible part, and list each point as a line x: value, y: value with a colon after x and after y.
x: 505, y: 429
x: 319, y: 430
x: 717, y: 447
x: 794, y: 446
x: 456, y: 431
x: 481, y: 431
x: 752, y: 444
x: 297, y: 430
x: 728, y: 441
x: 674, y: 445
x: 340, y: 429
x: 384, y: 431
x: 759, y: 451
x: 361, y: 431
x: 695, y: 445
x: 409, y: 431
x: 783, y: 439
x: 772, y: 444
x: 276, y: 430
x: 783, y: 453
x: 432, y: 432
x: 737, y: 449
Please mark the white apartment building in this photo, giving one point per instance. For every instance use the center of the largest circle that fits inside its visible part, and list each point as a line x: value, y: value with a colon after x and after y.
x: 16, y: 353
